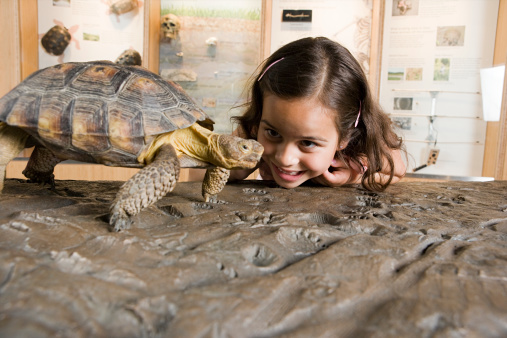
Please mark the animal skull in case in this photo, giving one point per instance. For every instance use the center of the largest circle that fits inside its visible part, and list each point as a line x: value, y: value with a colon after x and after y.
x: 170, y: 26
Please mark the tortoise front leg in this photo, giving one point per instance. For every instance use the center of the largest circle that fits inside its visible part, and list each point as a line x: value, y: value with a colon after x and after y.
x: 41, y: 165
x: 145, y: 188
x: 214, y: 181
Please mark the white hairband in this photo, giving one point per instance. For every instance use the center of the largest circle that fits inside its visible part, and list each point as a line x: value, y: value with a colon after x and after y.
x: 271, y: 65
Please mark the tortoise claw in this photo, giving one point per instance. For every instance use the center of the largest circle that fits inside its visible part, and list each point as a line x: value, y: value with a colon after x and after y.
x: 119, y: 220
x: 41, y: 178
x: 210, y: 198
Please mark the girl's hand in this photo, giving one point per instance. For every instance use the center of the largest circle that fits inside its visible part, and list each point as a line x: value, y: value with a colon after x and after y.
x: 339, y: 173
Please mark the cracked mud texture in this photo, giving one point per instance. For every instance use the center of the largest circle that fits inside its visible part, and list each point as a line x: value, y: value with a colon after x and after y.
x: 421, y: 259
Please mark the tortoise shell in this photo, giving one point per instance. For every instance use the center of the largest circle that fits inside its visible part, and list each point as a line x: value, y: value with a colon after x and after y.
x: 98, y: 112
x: 56, y: 40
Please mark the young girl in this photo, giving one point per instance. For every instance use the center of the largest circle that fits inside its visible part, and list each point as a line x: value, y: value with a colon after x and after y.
x: 312, y: 110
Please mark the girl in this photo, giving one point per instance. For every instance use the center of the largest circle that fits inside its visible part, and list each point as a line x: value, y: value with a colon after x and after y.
x: 312, y: 110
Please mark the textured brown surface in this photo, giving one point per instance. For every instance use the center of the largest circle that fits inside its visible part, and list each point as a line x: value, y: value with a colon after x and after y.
x: 421, y: 259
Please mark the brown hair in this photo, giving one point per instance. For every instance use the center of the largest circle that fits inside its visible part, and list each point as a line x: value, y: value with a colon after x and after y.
x: 323, y: 68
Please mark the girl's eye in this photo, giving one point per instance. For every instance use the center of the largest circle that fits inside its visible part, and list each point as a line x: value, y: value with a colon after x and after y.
x: 272, y: 133
x: 308, y: 144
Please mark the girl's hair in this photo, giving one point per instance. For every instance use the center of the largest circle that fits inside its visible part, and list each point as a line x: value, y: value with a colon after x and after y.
x: 323, y: 68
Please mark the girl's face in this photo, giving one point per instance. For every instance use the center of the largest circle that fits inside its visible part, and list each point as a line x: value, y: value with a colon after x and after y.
x: 299, y: 138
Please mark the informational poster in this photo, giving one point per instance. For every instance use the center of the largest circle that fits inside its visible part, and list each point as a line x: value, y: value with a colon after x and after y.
x: 211, y: 48
x: 98, y: 30
x: 433, y: 51
x: 345, y: 21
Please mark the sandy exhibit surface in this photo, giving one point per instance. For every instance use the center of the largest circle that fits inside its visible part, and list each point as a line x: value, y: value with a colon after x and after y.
x: 420, y: 259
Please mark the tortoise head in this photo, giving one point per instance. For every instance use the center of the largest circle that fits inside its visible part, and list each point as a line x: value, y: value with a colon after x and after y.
x: 237, y: 153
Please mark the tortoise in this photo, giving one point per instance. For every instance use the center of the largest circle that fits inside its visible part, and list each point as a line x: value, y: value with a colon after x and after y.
x: 101, y: 112
x: 129, y: 57
x: 56, y: 40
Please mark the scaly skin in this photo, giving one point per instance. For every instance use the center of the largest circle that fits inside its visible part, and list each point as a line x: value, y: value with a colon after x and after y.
x: 214, y: 181
x: 41, y: 165
x: 145, y: 188
x: 12, y: 142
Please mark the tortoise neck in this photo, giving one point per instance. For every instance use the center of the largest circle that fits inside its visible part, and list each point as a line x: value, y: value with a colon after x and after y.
x: 206, y: 147
x: 194, y: 141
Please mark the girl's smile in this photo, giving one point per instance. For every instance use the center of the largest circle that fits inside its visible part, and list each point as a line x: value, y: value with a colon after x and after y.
x: 299, y: 138
x: 290, y: 176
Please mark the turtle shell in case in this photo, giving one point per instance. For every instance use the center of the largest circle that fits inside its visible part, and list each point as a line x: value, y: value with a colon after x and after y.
x: 56, y: 40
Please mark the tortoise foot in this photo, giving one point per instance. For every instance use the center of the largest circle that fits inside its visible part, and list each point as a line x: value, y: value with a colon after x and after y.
x: 40, y: 177
x: 213, y: 183
x: 210, y: 198
x: 145, y: 188
x: 119, y: 219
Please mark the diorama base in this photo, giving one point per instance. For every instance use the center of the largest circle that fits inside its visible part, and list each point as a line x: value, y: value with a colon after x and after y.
x: 425, y: 259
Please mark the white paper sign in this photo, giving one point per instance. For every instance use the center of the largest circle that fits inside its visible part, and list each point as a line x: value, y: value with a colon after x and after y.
x: 492, y: 80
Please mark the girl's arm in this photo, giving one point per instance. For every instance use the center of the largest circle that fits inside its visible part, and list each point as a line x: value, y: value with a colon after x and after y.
x: 399, y: 169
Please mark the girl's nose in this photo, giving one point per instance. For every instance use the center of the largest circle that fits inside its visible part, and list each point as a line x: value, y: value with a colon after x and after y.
x: 286, y: 155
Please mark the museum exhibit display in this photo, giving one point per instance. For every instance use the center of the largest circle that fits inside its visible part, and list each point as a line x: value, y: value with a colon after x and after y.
x: 211, y: 48
x: 430, y: 81
x: 118, y: 218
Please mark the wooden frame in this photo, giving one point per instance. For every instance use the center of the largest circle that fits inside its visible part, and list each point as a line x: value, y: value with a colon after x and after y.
x: 18, y: 31
x: 266, y: 16
x: 495, y: 164
x: 501, y: 154
x: 151, y: 34
x: 9, y: 35
x: 377, y: 30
